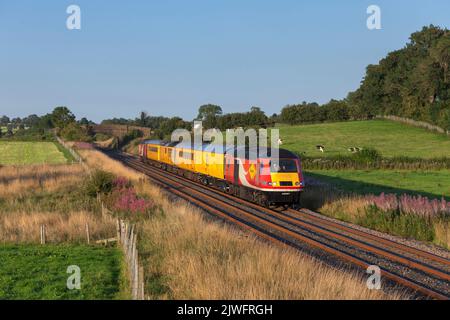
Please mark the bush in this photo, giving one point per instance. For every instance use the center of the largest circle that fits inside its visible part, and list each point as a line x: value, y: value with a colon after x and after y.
x: 102, y: 137
x: 132, y: 135
x: 100, y: 182
x: 73, y: 132
x: 395, y: 222
x: 398, y: 163
x: 367, y: 155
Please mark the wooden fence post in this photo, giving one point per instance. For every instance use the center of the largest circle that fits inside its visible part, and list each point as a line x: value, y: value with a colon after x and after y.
x: 88, y: 234
x: 42, y: 229
x: 141, y: 283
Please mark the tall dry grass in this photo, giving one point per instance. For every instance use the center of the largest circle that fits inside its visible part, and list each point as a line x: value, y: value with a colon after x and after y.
x: 97, y: 160
x: 193, y: 257
x: 24, y: 227
x: 19, y: 181
x: 204, y: 260
x: 442, y: 233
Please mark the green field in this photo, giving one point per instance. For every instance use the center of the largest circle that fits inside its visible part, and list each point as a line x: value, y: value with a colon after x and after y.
x: 26, y: 153
x: 433, y: 184
x: 40, y: 272
x: 388, y: 137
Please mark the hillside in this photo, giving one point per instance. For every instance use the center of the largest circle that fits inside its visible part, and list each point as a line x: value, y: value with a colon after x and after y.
x: 390, y: 138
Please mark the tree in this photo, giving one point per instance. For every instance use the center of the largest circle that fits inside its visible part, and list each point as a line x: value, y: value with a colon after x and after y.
x: 16, y: 122
x: 4, y: 121
x: 84, y: 121
x: 45, y: 122
x: 257, y: 117
x: 31, y: 121
x: 62, y: 116
x: 170, y: 125
x: 413, y: 82
x: 208, y: 110
x: 336, y: 110
x: 208, y: 114
x: 143, y: 118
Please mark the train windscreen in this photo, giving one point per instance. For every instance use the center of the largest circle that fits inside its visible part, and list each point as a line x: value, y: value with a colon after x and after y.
x: 283, y: 166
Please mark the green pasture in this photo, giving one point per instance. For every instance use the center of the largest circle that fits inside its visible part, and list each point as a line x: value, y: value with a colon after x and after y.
x: 40, y: 272
x: 392, y: 139
x: 433, y: 184
x: 33, y: 152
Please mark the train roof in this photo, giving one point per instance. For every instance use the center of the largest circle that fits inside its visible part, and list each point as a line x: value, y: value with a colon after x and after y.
x: 219, y: 148
x: 155, y: 142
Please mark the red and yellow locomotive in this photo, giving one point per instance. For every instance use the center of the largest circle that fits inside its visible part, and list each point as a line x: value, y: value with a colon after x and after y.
x: 249, y: 173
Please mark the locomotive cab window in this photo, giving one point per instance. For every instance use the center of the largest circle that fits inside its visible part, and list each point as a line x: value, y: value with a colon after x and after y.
x: 283, y: 165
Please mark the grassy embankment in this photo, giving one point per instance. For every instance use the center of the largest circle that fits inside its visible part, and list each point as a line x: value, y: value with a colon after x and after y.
x: 345, y: 194
x: 189, y: 256
x: 52, y: 195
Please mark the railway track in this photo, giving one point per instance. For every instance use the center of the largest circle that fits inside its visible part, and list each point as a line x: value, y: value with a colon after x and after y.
x: 421, y: 271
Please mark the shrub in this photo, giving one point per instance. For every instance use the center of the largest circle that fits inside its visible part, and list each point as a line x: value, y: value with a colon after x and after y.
x: 74, y: 132
x: 399, y: 163
x: 129, y: 202
x: 367, y: 155
x: 413, y: 205
x: 395, y: 222
x: 101, y: 137
x: 100, y: 182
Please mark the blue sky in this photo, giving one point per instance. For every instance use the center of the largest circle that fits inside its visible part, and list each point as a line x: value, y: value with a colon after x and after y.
x: 169, y: 57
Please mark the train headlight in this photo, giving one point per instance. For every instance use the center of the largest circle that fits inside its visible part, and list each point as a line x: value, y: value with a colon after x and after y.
x: 274, y: 184
x: 297, y: 183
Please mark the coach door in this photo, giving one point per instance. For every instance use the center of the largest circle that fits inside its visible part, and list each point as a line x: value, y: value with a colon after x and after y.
x: 236, y: 171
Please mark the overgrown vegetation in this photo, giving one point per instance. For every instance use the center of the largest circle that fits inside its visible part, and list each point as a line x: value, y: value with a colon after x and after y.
x: 409, y: 216
x: 99, y: 182
x: 52, y: 195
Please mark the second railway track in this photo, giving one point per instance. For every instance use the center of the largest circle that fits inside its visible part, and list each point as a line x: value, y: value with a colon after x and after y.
x: 419, y: 270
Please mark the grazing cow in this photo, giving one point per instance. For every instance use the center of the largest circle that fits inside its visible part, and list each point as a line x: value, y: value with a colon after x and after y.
x: 354, y: 149
x: 320, y: 148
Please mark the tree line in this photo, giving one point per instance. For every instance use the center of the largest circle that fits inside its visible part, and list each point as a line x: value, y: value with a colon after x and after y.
x: 413, y: 82
x: 61, y: 121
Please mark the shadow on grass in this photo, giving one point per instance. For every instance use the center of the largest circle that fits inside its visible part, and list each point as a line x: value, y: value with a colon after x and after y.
x: 362, y: 188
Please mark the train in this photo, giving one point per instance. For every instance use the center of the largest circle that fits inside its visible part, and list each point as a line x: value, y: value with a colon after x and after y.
x: 248, y: 173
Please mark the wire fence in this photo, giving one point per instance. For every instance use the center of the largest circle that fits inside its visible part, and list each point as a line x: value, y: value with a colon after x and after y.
x: 128, y: 241
x: 74, y: 154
